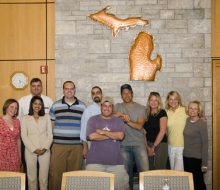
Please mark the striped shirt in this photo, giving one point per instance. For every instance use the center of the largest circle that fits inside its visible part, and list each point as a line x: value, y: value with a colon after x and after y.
x: 67, y: 121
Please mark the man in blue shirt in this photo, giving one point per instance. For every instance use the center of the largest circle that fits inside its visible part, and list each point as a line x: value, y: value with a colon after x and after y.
x: 90, y: 111
x: 66, y: 152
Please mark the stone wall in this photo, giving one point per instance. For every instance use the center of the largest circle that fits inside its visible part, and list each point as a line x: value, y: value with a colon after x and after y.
x: 88, y: 54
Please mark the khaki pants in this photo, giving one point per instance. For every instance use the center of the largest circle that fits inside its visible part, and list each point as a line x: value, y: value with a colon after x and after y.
x: 31, y: 162
x: 159, y: 160
x: 121, y: 176
x: 64, y: 158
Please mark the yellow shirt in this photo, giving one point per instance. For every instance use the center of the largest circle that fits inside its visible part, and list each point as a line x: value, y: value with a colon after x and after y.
x: 175, y: 126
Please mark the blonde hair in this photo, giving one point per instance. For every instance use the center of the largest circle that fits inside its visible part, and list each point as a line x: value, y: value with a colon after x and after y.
x: 160, y: 104
x: 176, y: 95
x: 201, y: 110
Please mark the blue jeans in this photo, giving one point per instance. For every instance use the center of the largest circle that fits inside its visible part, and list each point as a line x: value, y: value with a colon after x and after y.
x: 137, y: 153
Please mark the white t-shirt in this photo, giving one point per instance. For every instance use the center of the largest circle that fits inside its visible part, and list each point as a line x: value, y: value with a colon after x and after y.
x: 24, y: 104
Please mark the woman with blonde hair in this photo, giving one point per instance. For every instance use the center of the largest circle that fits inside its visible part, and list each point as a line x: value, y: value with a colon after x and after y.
x: 195, y: 152
x: 175, y: 126
x: 155, y: 132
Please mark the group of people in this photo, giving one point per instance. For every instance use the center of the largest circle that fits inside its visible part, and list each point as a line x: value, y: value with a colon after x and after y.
x: 27, y: 119
x: 58, y: 136
x: 177, y: 132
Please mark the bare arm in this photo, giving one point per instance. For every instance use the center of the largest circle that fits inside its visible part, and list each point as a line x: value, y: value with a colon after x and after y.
x: 97, y: 137
x: 138, y: 124
x: 52, y: 123
x: 150, y: 150
x: 85, y: 149
x: 145, y: 138
x: 19, y: 147
x: 162, y: 132
x: 123, y: 116
x: 114, y: 135
x: 204, y: 119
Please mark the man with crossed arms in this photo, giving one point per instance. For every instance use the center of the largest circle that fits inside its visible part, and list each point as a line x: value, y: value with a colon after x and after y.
x: 105, y: 131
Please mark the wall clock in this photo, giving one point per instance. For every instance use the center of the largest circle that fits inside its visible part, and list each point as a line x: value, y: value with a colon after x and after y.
x: 19, y: 80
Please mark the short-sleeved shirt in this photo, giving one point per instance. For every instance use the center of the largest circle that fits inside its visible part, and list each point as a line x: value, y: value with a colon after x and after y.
x: 133, y: 137
x: 24, y: 104
x: 152, y: 126
x: 106, y: 152
x: 67, y: 121
x: 175, y: 126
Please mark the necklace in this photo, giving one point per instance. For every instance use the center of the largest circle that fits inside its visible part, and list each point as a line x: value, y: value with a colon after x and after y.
x: 154, y: 114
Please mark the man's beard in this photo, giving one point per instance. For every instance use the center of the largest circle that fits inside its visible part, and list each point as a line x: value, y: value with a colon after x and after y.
x: 97, y: 100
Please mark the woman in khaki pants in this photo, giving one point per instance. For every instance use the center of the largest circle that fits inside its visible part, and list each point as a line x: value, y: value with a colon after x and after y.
x: 36, y: 133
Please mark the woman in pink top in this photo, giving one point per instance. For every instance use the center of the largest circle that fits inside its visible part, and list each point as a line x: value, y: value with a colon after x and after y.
x: 10, y: 142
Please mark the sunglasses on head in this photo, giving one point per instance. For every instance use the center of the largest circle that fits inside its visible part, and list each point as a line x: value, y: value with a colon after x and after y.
x: 155, y: 93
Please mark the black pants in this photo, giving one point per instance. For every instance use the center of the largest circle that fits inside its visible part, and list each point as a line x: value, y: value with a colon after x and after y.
x: 194, y: 165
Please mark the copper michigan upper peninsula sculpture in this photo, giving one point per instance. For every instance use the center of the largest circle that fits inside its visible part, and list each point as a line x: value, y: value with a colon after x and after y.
x: 141, y: 66
x: 116, y: 23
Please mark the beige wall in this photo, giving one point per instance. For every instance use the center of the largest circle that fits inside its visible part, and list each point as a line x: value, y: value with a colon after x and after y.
x: 87, y: 53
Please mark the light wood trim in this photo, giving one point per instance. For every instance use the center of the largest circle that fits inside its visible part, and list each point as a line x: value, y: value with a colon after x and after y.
x: 50, y: 83
x: 26, y: 1
x: 216, y: 124
x: 164, y: 173
x: 50, y: 31
x: 14, y: 174
x: 88, y: 173
x: 215, y: 21
x: 24, y: 38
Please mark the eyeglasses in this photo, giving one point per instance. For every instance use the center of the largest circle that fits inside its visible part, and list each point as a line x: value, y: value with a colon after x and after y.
x: 194, y: 109
x: 155, y: 93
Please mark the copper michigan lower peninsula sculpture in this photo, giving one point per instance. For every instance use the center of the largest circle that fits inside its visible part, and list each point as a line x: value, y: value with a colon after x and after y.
x: 141, y: 66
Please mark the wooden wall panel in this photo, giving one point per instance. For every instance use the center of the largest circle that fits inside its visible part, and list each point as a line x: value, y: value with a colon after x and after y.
x: 216, y: 124
x: 23, y: 30
x: 51, y: 79
x: 215, y: 54
x: 27, y: 35
x: 32, y: 69
x: 215, y: 19
x: 50, y: 31
x: 26, y: 1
